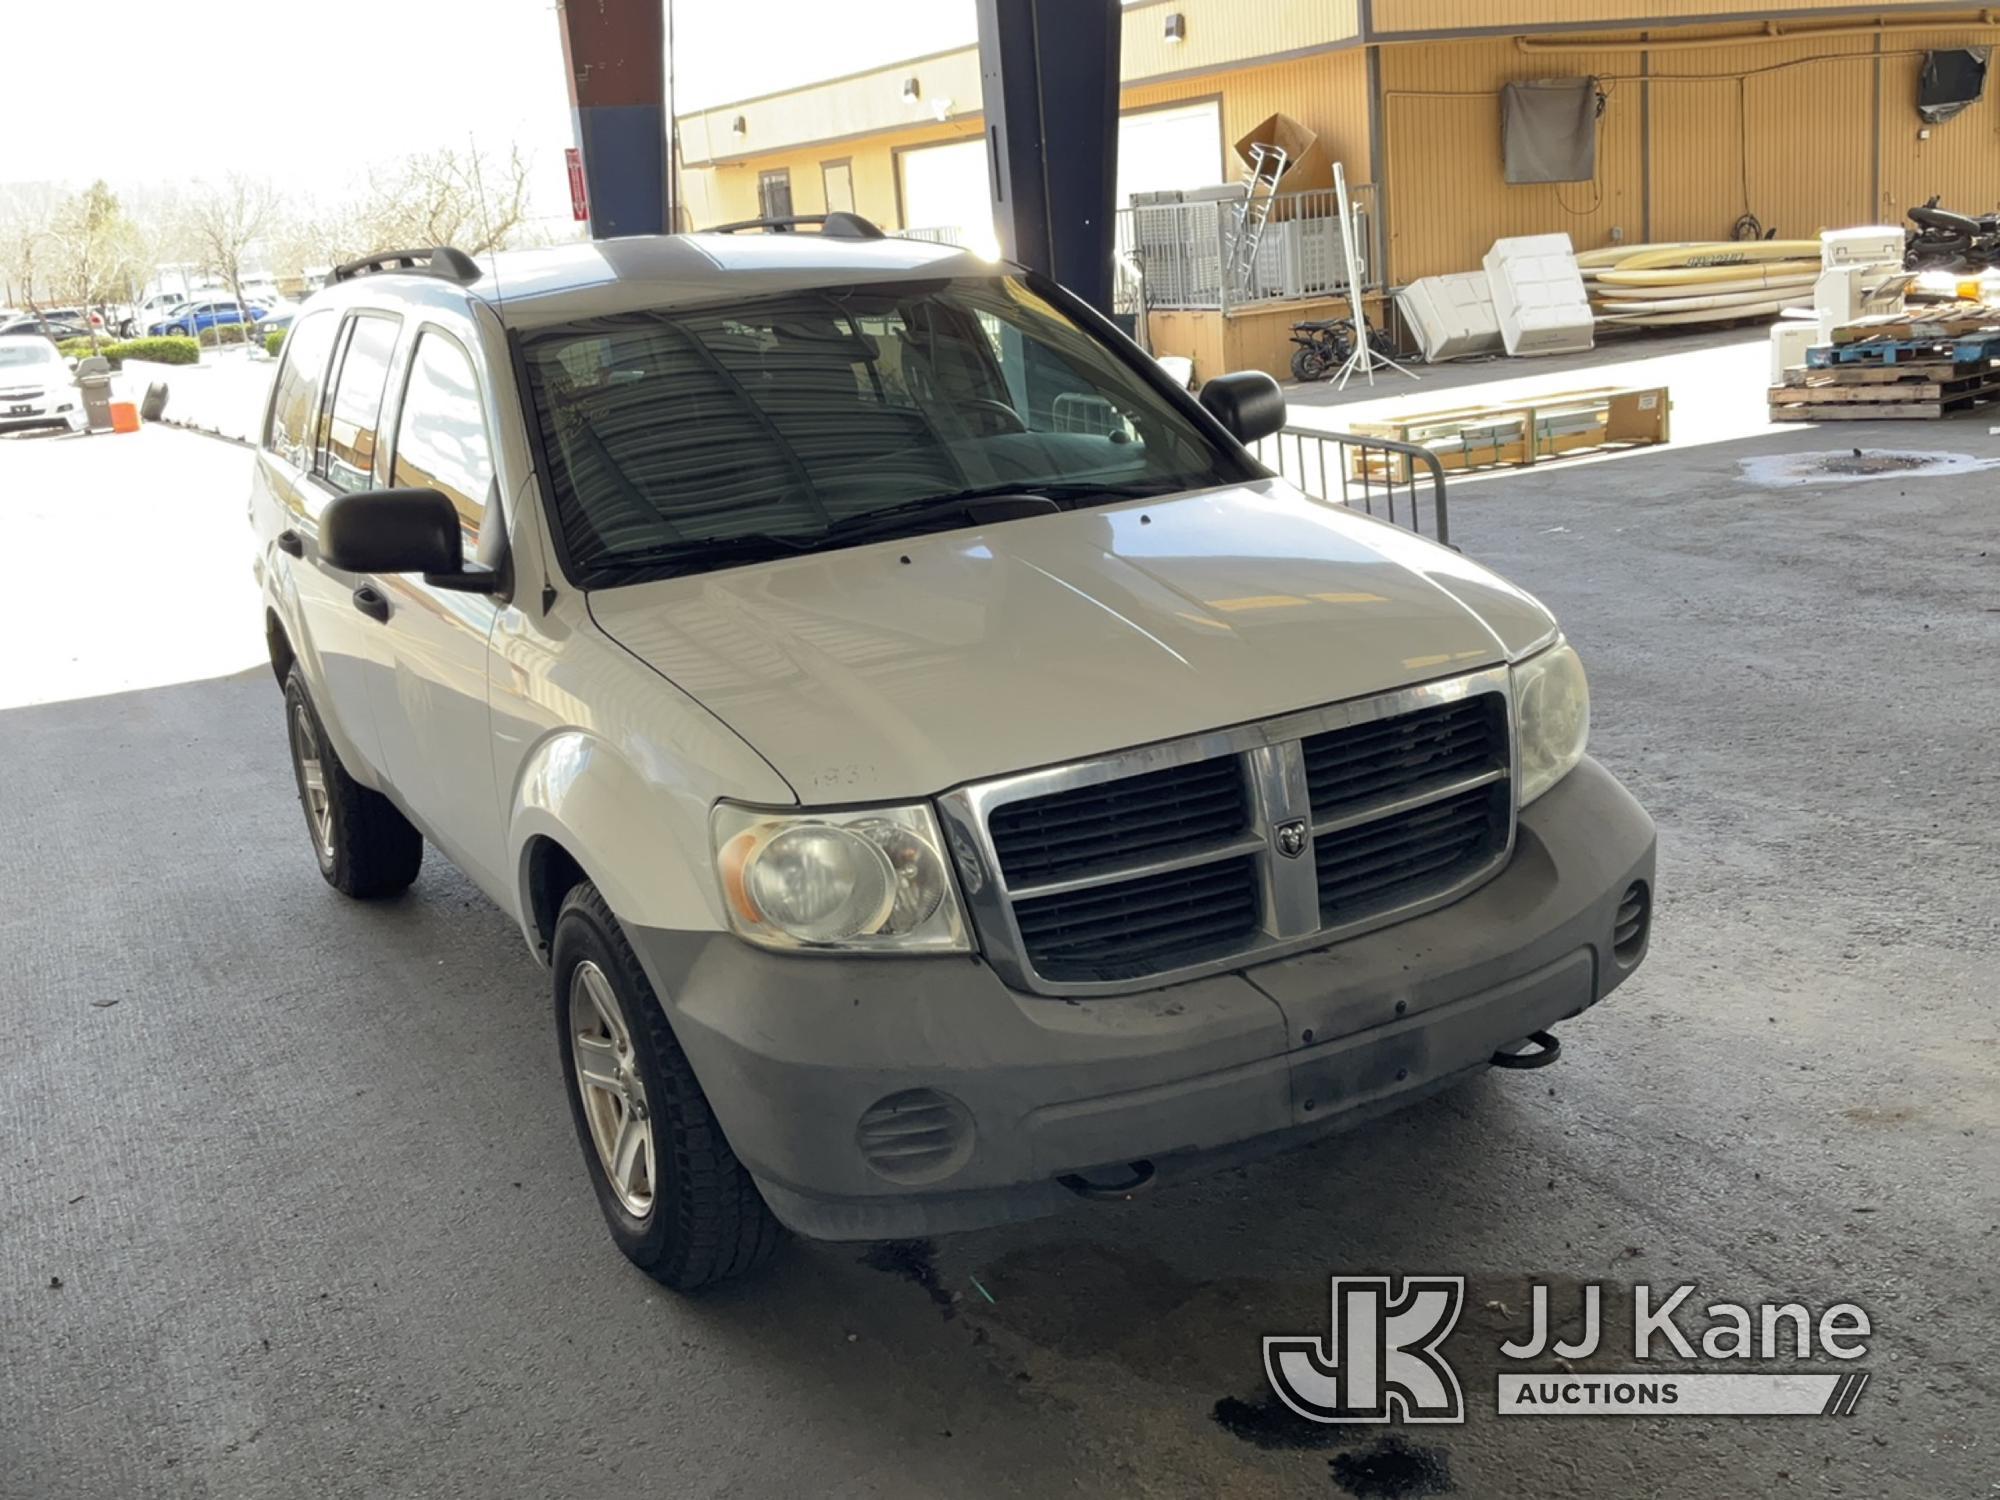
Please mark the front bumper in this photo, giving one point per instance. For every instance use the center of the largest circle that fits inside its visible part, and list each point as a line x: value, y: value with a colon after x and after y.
x: 792, y: 1051
x: 41, y: 411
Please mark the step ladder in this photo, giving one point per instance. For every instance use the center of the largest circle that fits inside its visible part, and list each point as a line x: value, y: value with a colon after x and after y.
x: 1253, y: 212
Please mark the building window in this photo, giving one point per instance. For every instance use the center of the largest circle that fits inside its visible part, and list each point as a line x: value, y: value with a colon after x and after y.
x: 838, y: 178
x: 774, y: 195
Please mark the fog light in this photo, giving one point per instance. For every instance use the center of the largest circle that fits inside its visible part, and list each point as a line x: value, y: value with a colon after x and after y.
x: 916, y: 1136
x: 1634, y: 924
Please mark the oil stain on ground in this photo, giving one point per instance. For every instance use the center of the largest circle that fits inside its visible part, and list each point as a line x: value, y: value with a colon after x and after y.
x: 1272, y: 1425
x: 1392, y: 1468
x: 913, y: 1260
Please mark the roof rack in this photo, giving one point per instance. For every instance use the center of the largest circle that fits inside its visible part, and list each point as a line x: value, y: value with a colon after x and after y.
x: 836, y: 226
x: 442, y: 260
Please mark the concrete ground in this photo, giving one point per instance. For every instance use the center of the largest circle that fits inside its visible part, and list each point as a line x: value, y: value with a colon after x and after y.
x: 290, y: 1201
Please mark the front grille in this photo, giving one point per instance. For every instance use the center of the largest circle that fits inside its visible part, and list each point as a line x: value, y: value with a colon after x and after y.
x: 1118, y: 821
x: 1241, y: 844
x: 1138, y: 927
x: 1383, y: 863
x: 1363, y: 762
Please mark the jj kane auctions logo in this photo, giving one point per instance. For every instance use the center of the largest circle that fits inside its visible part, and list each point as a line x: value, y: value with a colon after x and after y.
x: 1381, y: 1359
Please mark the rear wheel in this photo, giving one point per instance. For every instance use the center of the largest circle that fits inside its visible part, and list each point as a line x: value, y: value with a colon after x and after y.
x: 677, y: 1201
x: 1309, y: 364
x: 364, y: 846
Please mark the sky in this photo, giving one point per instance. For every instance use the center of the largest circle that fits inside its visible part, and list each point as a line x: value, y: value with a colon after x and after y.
x: 321, y: 91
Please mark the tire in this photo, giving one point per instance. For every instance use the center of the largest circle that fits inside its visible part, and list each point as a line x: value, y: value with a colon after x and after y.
x: 1308, y: 364
x: 364, y: 846
x: 699, y: 1218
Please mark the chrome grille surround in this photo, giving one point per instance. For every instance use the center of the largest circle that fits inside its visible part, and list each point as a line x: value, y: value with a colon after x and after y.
x: 1274, y: 764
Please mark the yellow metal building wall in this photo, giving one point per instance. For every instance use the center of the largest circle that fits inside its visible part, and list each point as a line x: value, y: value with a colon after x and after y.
x: 1327, y: 93
x: 1783, y: 131
x: 1447, y: 198
x: 1443, y: 15
x: 1961, y: 160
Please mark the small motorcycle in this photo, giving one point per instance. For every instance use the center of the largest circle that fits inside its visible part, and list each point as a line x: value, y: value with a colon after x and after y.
x: 1324, y: 346
x: 1947, y: 241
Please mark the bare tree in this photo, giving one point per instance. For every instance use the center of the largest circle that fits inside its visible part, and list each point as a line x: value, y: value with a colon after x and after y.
x: 96, y: 248
x: 26, y: 212
x: 222, y: 223
x: 446, y: 197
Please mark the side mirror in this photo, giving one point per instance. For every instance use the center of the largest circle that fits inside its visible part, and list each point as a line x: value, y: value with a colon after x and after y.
x: 1248, y: 403
x: 400, y: 531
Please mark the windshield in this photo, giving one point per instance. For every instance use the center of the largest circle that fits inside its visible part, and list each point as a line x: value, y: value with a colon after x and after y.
x: 709, y: 437
x: 15, y: 356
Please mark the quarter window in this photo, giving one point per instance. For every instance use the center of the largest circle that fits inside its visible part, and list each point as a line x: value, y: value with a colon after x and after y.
x: 347, y: 458
x: 441, y: 433
x: 299, y: 381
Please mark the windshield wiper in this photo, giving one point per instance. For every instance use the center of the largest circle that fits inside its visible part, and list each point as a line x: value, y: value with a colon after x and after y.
x: 964, y: 505
x: 753, y: 546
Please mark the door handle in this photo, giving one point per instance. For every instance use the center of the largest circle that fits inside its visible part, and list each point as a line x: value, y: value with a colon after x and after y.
x: 290, y: 542
x: 372, y: 602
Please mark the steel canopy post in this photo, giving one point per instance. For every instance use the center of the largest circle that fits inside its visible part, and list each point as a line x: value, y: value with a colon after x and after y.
x: 614, y: 52
x: 1048, y: 72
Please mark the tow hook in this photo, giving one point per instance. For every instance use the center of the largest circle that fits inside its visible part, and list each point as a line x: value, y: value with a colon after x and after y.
x: 1108, y: 1192
x: 1551, y: 1049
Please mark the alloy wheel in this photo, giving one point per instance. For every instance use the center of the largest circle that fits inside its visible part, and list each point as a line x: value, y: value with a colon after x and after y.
x: 608, y: 1082
x: 312, y: 781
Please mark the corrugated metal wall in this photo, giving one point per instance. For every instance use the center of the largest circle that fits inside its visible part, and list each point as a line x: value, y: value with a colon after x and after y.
x: 1961, y: 158
x: 1327, y: 93
x: 1691, y: 139
x: 1447, y: 198
x: 1447, y: 15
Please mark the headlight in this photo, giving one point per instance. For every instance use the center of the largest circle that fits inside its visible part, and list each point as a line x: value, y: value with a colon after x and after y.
x: 1551, y: 717
x: 872, y: 880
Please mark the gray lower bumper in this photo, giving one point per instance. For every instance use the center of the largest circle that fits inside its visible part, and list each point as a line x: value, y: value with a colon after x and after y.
x: 793, y: 1050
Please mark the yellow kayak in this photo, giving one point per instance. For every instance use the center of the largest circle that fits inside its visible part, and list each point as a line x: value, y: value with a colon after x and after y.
x: 1768, y: 275
x: 1722, y: 253
x: 1612, y: 255
x: 1650, y: 292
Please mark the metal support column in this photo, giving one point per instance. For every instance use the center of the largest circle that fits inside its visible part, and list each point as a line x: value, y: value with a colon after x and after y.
x: 1048, y: 71
x: 615, y: 54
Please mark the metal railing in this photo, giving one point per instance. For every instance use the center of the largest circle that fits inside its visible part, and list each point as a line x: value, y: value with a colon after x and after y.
x: 1378, y: 476
x: 1183, y: 244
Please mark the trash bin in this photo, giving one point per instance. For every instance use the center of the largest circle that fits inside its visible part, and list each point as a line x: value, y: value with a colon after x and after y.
x: 93, y: 378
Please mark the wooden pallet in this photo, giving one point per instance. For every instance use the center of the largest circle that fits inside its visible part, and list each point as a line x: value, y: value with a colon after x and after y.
x: 1978, y: 349
x: 1863, y: 393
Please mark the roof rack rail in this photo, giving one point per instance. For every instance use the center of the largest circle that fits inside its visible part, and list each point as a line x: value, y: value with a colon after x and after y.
x: 441, y: 260
x: 836, y: 225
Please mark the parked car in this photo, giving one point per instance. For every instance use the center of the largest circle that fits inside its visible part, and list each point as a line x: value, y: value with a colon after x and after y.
x: 37, y: 388
x: 193, y: 318
x: 45, y: 326
x: 946, y: 774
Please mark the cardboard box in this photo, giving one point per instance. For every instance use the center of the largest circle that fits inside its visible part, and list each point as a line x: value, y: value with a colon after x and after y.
x: 1307, y: 165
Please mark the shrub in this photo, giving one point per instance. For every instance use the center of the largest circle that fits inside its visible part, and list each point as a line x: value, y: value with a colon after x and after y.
x: 173, y: 350
x: 274, y: 341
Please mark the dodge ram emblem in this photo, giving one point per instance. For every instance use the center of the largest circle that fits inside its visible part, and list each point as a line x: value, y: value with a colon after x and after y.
x: 1290, y: 838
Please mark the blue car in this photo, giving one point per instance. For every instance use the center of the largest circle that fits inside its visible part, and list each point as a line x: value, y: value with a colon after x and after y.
x: 191, y: 318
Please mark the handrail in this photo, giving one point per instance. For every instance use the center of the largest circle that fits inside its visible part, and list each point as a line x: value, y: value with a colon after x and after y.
x: 1363, y: 474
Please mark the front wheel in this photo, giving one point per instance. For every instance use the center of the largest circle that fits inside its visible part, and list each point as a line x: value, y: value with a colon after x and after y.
x: 1309, y: 364
x: 678, y: 1203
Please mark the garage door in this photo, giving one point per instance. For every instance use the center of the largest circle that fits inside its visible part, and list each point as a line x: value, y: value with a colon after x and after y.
x: 947, y: 187
x: 1158, y: 149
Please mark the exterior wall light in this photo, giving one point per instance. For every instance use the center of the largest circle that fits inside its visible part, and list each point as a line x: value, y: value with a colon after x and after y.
x: 911, y: 91
x: 739, y: 126
x: 1176, y: 27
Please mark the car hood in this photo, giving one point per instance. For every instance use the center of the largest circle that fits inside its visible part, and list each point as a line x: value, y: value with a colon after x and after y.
x: 904, y: 668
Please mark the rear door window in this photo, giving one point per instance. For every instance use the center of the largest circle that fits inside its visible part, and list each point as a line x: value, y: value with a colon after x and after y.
x: 299, y: 383
x: 350, y: 430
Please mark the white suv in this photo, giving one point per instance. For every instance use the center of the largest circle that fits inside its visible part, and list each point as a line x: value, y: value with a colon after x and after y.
x: 946, y: 774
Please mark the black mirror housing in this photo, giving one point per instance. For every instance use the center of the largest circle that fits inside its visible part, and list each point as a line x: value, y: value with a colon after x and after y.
x: 1247, y: 402
x: 392, y: 531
